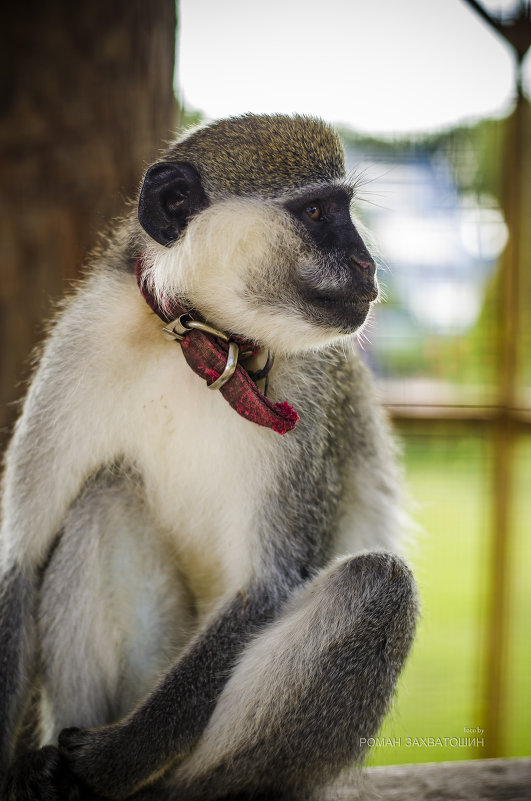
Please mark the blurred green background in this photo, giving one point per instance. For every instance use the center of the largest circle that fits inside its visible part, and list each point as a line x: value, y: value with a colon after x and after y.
x: 442, y: 692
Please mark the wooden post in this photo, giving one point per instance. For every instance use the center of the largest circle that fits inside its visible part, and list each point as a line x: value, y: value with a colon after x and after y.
x: 510, y: 286
x: 515, y: 28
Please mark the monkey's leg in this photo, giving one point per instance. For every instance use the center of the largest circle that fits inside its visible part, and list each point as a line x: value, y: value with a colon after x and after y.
x: 310, y: 690
x: 117, y: 760
x: 331, y: 665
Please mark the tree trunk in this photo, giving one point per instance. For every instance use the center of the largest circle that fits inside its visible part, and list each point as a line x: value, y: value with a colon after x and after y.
x: 86, y: 101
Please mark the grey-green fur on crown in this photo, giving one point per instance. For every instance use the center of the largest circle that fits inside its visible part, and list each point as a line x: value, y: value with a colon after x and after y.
x: 262, y: 154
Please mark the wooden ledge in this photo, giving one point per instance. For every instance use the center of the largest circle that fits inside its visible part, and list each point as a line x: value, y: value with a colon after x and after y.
x: 478, y: 780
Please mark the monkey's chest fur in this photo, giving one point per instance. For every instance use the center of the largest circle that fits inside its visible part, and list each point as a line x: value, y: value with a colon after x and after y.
x: 199, y: 466
x: 202, y: 468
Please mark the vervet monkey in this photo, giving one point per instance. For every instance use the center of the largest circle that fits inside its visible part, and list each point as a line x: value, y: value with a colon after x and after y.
x: 178, y: 615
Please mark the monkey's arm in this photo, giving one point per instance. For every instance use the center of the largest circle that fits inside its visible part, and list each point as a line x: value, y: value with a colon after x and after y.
x: 115, y: 760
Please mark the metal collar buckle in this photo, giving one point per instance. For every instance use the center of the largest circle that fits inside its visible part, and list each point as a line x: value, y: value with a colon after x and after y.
x: 177, y: 329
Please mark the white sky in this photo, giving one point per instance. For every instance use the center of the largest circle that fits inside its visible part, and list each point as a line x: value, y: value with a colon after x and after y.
x: 381, y: 66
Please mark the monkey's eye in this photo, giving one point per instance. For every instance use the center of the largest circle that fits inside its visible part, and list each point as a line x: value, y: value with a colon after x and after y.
x: 314, y: 212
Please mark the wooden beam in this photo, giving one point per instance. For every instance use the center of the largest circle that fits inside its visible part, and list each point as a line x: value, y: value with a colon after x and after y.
x: 480, y: 780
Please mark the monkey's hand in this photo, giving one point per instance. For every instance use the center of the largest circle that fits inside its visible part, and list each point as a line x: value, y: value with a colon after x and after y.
x: 110, y: 760
x: 43, y: 776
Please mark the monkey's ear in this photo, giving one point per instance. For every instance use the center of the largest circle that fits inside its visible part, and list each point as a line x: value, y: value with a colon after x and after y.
x: 170, y: 195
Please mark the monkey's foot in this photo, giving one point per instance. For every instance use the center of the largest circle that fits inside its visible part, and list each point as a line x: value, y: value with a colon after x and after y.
x: 43, y: 776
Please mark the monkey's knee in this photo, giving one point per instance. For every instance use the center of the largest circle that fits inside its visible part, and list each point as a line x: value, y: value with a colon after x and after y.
x: 374, y: 591
x: 364, y: 611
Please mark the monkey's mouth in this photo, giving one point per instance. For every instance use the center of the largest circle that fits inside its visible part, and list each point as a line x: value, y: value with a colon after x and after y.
x: 366, y: 296
x: 352, y: 293
x: 360, y: 297
x: 339, y: 303
x: 346, y: 314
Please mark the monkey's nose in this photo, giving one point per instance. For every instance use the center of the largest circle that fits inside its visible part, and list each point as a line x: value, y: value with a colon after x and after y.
x: 365, y: 263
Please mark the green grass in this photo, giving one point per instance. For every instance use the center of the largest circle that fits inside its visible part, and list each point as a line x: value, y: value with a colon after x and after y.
x: 440, y: 691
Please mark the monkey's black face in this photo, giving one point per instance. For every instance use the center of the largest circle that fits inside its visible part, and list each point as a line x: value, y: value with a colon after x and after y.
x: 338, y: 286
x: 246, y: 262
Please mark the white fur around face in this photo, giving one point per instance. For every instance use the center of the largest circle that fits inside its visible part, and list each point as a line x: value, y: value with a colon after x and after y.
x: 229, y: 251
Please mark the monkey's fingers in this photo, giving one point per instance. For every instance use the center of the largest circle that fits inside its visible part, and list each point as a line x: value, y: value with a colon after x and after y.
x: 93, y: 756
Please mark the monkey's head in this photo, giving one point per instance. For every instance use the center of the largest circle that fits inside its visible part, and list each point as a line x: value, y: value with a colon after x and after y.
x: 249, y: 223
